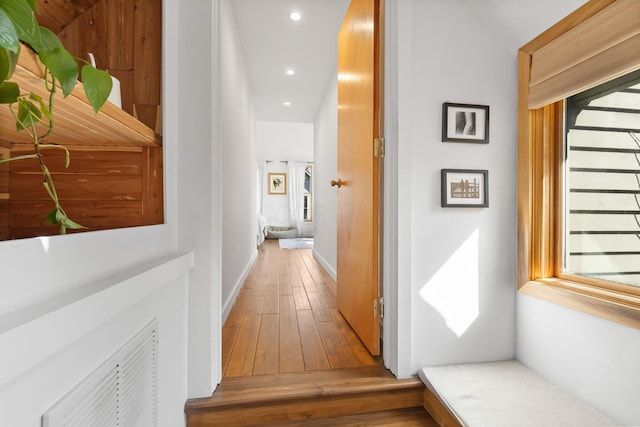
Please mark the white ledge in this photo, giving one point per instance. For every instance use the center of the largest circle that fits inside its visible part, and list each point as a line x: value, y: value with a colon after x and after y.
x: 31, y: 335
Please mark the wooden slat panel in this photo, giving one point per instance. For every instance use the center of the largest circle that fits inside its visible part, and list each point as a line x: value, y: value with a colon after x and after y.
x: 94, y: 29
x: 229, y: 336
x: 4, y: 215
x: 290, y: 354
x: 82, y: 162
x: 75, y: 122
x: 237, y: 311
x: 78, y: 187
x: 271, y: 299
x: 57, y: 14
x: 91, y: 214
x: 70, y: 38
x: 337, y: 351
x: 266, y: 358
x: 148, y: 52
x: 51, y: 230
x: 147, y: 114
x: 120, y: 18
x: 317, y: 306
x: 312, y: 347
x: 152, y: 186
x: 241, y: 362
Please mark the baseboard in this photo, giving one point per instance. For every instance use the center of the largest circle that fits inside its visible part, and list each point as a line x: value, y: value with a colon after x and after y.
x: 325, y: 265
x: 228, y: 304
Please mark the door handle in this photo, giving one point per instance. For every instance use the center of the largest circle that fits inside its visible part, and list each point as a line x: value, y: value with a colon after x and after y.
x: 339, y: 183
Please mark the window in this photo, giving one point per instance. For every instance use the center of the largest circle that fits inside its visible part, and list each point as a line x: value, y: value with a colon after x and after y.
x: 307, y: 207
x: 602, y: 182
x: 578, y: 229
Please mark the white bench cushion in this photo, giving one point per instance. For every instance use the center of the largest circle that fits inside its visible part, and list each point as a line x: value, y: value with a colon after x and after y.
x: 507, y: 394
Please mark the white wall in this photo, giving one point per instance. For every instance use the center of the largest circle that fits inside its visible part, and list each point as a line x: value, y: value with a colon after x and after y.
x: 279, y: 142
x: 325, y: 169
x: 199, y: 180
x: 69, y: 278
x: 458, y: 264
x: 238, y: 167
x: 590, y: 357
x: 284, y: 141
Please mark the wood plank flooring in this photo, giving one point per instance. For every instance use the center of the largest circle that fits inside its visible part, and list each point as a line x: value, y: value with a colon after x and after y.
x: 285, y: 319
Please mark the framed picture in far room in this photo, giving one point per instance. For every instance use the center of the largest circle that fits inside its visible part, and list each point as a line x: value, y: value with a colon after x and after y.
x: 464, y: 188
x: 465, y: 123
x: 277, y: 183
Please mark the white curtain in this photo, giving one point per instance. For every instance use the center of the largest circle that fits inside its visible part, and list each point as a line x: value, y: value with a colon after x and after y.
x: 296, y: 193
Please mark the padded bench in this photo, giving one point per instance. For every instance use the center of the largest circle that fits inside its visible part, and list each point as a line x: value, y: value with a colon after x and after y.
x: 506, y: 393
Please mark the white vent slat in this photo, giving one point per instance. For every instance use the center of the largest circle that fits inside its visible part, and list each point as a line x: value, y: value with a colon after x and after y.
x: 121, y: 392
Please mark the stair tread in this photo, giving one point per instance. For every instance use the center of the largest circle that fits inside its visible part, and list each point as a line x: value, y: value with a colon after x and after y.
x: 303, y: 385
x: 405, y: 417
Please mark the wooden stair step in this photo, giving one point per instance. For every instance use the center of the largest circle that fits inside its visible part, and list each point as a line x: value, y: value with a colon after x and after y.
x: 405, y: 417
x: 304, y: 396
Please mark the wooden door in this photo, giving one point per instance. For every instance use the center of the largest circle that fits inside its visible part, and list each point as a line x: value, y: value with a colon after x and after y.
x: 359, y: 170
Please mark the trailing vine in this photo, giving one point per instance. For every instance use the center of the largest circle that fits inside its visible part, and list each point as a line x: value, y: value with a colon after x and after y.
x: 19, y: 29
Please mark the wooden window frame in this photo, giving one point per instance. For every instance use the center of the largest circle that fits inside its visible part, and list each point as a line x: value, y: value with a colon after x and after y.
x: 540, y: 204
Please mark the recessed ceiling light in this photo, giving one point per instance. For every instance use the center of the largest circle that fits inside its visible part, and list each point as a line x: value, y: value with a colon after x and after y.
x: 287, y: 104
x: 295, y: 16
x: 290, y: 71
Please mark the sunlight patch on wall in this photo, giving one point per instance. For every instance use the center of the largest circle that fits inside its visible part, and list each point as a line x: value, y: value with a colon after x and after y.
x: 453, y: 290
x: 44, y: 241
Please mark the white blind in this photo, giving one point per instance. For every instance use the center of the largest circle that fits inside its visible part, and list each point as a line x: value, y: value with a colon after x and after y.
x: 603, y: 47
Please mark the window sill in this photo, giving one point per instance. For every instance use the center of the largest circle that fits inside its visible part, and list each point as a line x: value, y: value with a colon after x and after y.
x: 611, y: 305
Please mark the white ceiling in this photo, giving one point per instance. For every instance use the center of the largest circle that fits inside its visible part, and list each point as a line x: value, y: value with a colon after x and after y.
x: 272, y: 43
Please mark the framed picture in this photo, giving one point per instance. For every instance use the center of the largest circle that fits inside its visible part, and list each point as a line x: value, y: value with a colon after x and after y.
x: 277, y: 183
x: 465, y: 123
x: 464, y: 188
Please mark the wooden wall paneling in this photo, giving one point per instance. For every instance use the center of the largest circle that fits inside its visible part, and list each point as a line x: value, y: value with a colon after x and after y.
x: 147, y: 52
x: 102, y: 189
x: 152, y: 186
x: 70, y: 38
x: 77, y: 187
x: 147, y: 114
x: 120, y: 30
x: 4, y: 192
x: 90, y: 213
x: 56, y: 14
x: 93, y: 29
x: 97, y: 162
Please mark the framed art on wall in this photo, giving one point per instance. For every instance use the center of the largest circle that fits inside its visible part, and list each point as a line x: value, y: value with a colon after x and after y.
x: 277, y: 183
x: 465, y: 123
x: 464, y: 188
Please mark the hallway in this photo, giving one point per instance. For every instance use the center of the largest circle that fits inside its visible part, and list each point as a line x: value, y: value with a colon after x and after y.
x: 285, y: 319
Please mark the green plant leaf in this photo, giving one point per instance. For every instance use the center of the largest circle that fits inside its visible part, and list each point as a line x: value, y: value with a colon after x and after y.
x: 44, y: 108
x: 63, y: 67
x: 28, y: 114
x: 8, y: 33
x: 9, y: 92
x: 97, y: 86
x: 24, y: 21
x: 33, y: 5
x: 50, y: 41
x: 8, y: 61
x: 68, y: 223
x: 52, y: 217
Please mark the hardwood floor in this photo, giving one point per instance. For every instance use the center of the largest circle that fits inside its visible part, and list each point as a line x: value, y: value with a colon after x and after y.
x: 290, y: 358
x: 285, y: 319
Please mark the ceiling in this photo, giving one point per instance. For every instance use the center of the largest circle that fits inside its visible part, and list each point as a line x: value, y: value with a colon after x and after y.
x: 272, y: 42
